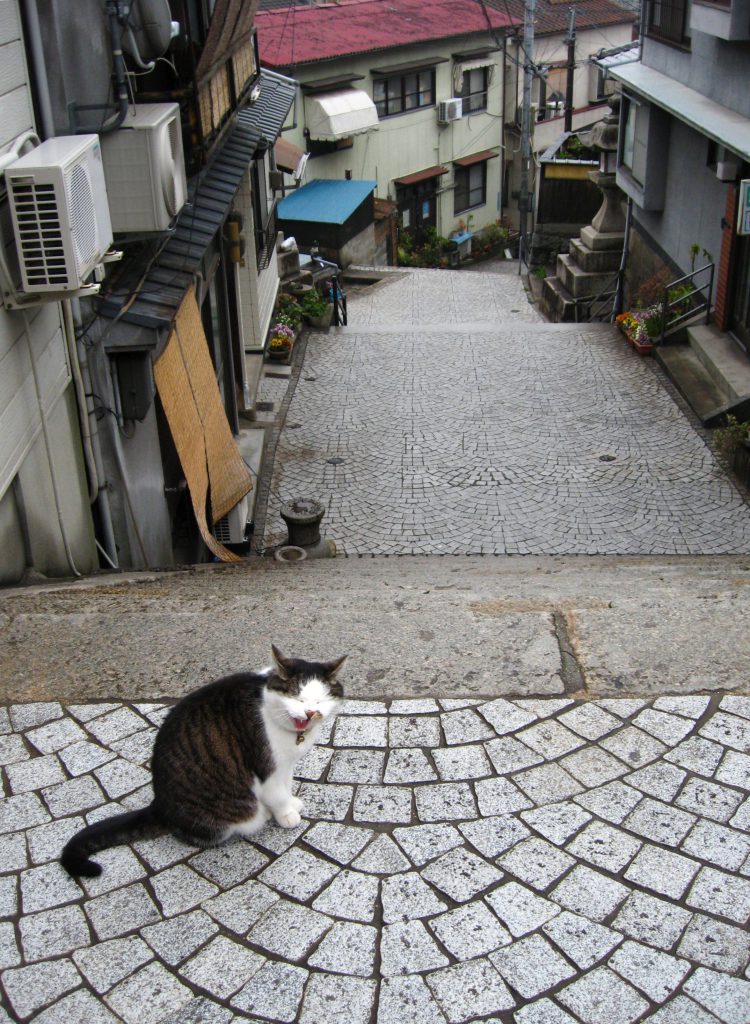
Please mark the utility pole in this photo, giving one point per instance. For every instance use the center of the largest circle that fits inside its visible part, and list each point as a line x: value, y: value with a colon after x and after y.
x: 571, y: 41
x: 524, y: 199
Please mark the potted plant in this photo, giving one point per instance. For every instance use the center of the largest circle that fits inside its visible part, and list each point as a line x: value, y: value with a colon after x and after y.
x: 641, y: 327
x: 282, y: 341
x: 317, y: 311
x: 290, y: 312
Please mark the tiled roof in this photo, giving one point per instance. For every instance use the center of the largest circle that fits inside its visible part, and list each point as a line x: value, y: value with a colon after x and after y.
x: 553, y: 16
x: 296, y: 35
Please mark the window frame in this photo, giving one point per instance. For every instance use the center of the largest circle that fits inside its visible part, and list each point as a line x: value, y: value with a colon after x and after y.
x: 467, y: 94
x: 461, y: 190
x: 396, y: 97
x: 676, y: 32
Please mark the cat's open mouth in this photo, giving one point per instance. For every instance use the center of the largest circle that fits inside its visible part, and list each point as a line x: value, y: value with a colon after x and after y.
x: 300, y: 724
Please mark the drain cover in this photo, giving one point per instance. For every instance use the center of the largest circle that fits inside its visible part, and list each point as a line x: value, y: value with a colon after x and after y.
x: 607, y: 458
x: 334, y: 462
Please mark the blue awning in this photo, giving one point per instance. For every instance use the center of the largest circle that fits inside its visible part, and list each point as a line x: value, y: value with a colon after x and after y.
x: 325, y: 201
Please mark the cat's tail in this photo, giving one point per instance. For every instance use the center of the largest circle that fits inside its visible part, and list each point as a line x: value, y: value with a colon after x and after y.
x: 121, y: 828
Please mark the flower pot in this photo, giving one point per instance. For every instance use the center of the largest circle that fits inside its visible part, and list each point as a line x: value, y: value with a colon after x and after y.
x: 324, y: 320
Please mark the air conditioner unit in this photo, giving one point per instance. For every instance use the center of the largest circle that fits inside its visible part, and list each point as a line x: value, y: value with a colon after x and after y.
x: 145, y: 168
x: 450, y: 110
x: 58, y: 204
x: 232, y: 529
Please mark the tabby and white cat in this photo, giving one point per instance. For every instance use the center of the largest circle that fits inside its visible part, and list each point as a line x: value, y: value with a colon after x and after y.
x: 224, y: 760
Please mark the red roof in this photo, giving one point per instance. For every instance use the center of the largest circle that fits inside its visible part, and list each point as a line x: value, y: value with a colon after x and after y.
x: 290, y: 36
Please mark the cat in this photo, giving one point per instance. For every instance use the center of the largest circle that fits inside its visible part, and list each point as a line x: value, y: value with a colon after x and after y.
x: 224, y: 759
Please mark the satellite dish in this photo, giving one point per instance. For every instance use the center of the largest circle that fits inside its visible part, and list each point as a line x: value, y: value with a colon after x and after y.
x: 149, y: 31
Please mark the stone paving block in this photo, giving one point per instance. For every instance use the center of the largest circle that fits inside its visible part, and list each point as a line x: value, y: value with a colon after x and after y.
x: 45, y: 841
x: 47, y: 886
x: 406, y: 766
x: 660, y: 822
x: 148, y: 996
x: 414, y: 706
x: 83, y: 756
x: 499, y: 796
x: 382, y: 857
x: 662, y: 870
x: 175, y: 939
x: 651, y: 920
x: 357, y: 766
x: 55, y: 735
x: 5, y: 726
x: 729, y: 730
x: 464, y: 726
x: 30, y: 989
x: 582, y: 941
x: 73, y: 796
x: 54, y: 932
x: 536, y: 862
x: 557, y: 822
x: 9, y: 954
x: 179, y: 888
x: 470, y: 931
x: 509, y: 755
x: 589, y: 721
x: 423, y: 843
x: 604, y: 846
x: 462, y: 763
x: 592, y: 766
x: 406, y: 897
x: 734, y: 770
x: 79, y: 1006
x: 329, y: 802
x: 298, y: 873
x: 727, y: 997
x: 447, y: 801
x: 634, y: 746
x: 85, y: 712
x: 613, y: 802
x: 200, y: 1011
x: 709, y: 799
x: 120, y: 777
x: 120, y: 866
x: 13, y: 850
x: 461, y: 874
x: 715, y: 944
x: 660, y: 780
x: 347, y: 949
x: 741, y: 819
x: 8, y: 896
x: 352, y: 706
x: 137, y: 748
x: 588, y: 892
x: 406, y: 948
x: 289, y: 930
x: 697, y: 755
x: 383, y: 804
x: 160, y: 853
x: 468, y: 989
x: 532, y: 966
x: 722, y: 846
x: 27, y: 716
x: 275, y: 992
x: 656, y: 974
x: 239, y: 908
x: 313, y: 764
x: 493, y: 836
x: 456, y: 703
x: 736, y: 704
x: 688, y: 706
x: 23, y: 811
x: 106, y: 963
x: 352, y: 896
x: 520, y: 909
x: 230, y: 863
x: 670, y: 729
x: 415, y: 731
x: 276, y: 839
x: 506, y: 716
x: 407, y: 998
x: 331, y: 999
x: 602, y: 997
x: 122, y: 911
x: 717, y: 892
x: 115, y: 725
x: 222, y: 967
x: 543, y: 1011
x: 550, y: 739
x: 357, y: 731
x: 547, y: 784
x: 27, y: 776
x: 341, y: 843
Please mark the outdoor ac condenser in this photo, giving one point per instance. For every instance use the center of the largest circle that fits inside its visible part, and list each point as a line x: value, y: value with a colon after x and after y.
x: 450, y: 110
x: 145, y: 169
x: 58, y: 204
x: 232, y: 529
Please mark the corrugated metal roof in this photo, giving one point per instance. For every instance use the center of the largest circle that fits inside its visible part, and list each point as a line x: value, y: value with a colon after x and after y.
x: 170, y: 274
x: 325, y: 200
x: 296, y: 35
x: 476, y: 158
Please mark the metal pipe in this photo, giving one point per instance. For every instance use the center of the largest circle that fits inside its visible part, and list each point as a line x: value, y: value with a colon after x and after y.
x: 39, y: 68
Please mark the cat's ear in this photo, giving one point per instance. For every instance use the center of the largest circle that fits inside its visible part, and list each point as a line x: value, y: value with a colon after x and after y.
x: 283, y: 665
x: 332, y: 668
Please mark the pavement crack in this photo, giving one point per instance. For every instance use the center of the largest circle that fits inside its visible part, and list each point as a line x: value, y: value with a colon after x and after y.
x: 573, y: 678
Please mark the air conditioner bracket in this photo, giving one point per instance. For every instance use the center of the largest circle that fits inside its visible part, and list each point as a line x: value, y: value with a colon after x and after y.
x: 23, y: 300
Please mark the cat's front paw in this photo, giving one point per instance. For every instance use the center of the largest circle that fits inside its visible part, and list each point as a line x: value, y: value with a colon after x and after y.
x: 289, y: 818
x: 296, y: 803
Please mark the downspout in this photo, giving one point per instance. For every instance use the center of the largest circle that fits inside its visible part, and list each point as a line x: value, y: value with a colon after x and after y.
x: 39, y: 68
x: 617, y: 304
x: 116, y: 26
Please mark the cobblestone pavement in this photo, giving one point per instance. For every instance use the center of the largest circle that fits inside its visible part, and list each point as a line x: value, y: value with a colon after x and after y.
x: 448, y: 419
x: 530, y: 861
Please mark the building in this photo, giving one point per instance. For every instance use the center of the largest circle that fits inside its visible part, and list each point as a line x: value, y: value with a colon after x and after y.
x: 684, y: 151
x: 186, y: 124
x: 407, y: 93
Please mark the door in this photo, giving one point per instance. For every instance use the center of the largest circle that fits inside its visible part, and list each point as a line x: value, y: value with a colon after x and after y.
x: 739, y: 312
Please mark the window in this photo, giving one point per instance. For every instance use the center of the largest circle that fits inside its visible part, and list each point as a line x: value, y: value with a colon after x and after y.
x: 474, y: 90
x: 321, y: 147
x: 667, y: 20
x: 633, y: 152
x: 470, y: 187
x: 401, y: 93
x: 551, y: 93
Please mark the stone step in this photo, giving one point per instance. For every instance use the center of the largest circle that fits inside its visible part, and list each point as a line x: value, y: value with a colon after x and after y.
x: 578, y: 282
x: 693, y: 381
x: 723, y: 359
x: 594, y: 261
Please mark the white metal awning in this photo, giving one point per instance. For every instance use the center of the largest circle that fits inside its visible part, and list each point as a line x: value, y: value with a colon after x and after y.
x: 706, y: 116
x: 337, y: 115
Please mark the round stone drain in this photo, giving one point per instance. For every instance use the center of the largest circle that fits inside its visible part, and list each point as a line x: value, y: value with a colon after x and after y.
x: 290, y: 553
x: 607, y: 458
x: 336, y: 461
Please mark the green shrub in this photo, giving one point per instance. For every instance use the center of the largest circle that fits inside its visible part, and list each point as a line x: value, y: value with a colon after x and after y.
x: 729, y: 437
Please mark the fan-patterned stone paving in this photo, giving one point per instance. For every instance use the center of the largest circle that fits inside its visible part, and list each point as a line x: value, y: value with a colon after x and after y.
x: 531, y: 861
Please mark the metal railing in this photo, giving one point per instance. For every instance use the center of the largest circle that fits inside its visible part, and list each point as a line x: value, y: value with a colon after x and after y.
x: 599, y: 308
x: 687, y: 293
x: 337, y: 296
